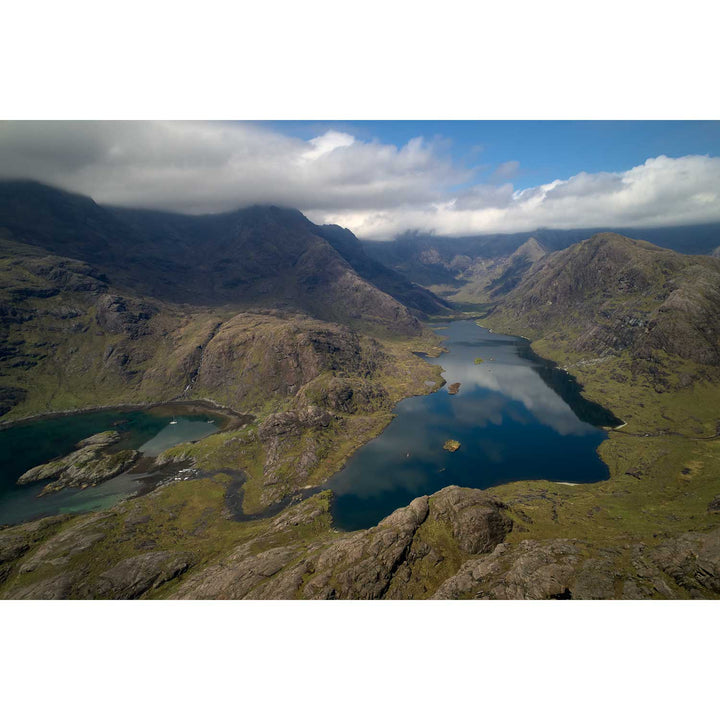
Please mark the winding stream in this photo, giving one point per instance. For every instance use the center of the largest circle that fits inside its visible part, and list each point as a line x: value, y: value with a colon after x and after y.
x: 515, y: 417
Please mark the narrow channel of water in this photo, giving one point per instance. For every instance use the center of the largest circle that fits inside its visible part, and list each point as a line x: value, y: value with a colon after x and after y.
x: 516, y: 417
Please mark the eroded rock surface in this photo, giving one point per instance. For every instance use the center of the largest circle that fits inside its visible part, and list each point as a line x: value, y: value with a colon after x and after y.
x: 360, y: 565
x: 687, y: 566
x: 134, y: 576
x: 89, y: 465
x: 455, y: 544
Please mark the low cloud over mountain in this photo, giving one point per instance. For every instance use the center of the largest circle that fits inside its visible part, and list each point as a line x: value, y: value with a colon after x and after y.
x: 377, y: 189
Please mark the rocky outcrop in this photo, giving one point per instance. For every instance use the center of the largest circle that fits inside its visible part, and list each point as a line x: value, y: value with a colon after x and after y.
x: 530, y: 570
x: 291, y: 444
x: 345, y: 395
x: 692, y: 561
x: 369, y: 564
x: 120, y: 316
x: 477, y: 522
x: 18, y: 541
x: 687, y: 566
x: 133, y: 576
x: 275, y: 357
x: 454, y: 544
x: 362, y: 565
x: 89, y: 465
x: 59, y: 549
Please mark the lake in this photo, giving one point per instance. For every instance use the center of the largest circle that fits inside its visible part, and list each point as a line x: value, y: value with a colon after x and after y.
x: 516, y: 417
x: 34, y: 442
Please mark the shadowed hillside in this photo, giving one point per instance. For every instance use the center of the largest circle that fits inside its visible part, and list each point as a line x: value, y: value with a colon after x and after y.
x: 262, y: 256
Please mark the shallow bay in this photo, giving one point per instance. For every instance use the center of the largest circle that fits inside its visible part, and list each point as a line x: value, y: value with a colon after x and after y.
x: 34, y: 442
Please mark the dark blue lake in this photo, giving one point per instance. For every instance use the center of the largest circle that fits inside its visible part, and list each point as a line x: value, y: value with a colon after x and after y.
x: 516, y: 416
x: 31, y: 443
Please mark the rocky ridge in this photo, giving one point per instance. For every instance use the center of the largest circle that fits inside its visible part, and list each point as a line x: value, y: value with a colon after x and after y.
x: 611, y: 294
x: 89, y: 465
x: 451, y: 545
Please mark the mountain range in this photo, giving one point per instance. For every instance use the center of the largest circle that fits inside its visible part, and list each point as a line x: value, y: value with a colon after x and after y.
x: 318, y: 336
x: 261, y: 256
x: 466, y: 269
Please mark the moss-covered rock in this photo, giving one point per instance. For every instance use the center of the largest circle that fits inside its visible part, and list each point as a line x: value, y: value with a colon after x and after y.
x: 89, y: 465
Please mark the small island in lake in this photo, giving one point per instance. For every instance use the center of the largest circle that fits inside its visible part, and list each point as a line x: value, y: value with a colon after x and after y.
x: 451, y: 445
x: 453, y: 388
x: 478, y: 361
x: 89, y: 465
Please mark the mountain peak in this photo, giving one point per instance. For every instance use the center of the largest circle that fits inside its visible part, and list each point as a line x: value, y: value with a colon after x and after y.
x: 258, y: 256
x: 530, y: 250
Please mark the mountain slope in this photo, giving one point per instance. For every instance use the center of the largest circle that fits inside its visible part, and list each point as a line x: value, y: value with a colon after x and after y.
x: 256, y: 257
x: 491, y: 280
x: 611, y: 294
x: 458, y: 267
x: 388, y: 280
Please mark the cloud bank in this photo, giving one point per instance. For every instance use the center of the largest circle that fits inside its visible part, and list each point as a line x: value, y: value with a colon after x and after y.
x: 377, y: 190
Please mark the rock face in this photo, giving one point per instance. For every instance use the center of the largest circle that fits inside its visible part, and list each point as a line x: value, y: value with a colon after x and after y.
x: 386, y: 561
x: 89, y: 465
x: 53, y: 560
x: 455, y: 544
x: 290, y: 440
x: 277, y: 357
x: 60, y: 549
x: 134, y: 576
x: 688, y: 566
x: 346, y: 395
x: 612, y: 294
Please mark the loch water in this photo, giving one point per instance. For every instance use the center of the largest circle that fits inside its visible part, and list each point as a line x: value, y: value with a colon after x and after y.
x: 34, y: 442
x: 516, y: 417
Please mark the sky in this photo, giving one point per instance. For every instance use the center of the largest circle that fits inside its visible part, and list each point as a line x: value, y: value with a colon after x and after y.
x: 384, y: 178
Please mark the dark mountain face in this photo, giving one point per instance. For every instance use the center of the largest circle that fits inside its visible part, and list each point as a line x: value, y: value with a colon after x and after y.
x: 262, y: 256
x: 388, y: 280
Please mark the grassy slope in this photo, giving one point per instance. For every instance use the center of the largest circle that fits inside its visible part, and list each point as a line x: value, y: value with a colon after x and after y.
x: 664, y: 470
x: 191, y: 516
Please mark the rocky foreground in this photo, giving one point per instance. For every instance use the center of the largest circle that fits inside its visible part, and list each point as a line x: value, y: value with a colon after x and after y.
x: 453, y: 544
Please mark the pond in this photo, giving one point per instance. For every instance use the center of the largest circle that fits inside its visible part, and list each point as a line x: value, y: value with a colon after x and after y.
x: 515, y: 417
x: 34, y: 442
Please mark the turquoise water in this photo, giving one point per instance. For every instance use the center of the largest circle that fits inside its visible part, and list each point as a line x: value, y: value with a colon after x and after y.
x: 28, y: 444
x: 517, y: 417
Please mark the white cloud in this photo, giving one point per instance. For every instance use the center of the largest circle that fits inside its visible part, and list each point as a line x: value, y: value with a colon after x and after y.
x: 216, y: 166
x: 662, y: 191
x: 326, y: 143
x: 375, y: 189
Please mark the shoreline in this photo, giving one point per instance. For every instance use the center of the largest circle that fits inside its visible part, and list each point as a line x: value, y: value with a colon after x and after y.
x: 233, y: 418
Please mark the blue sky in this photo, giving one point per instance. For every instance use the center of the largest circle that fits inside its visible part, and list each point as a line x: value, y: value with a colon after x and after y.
x: 545, y: 150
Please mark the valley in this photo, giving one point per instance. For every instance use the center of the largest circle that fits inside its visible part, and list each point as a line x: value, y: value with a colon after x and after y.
x: 305, y: 331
